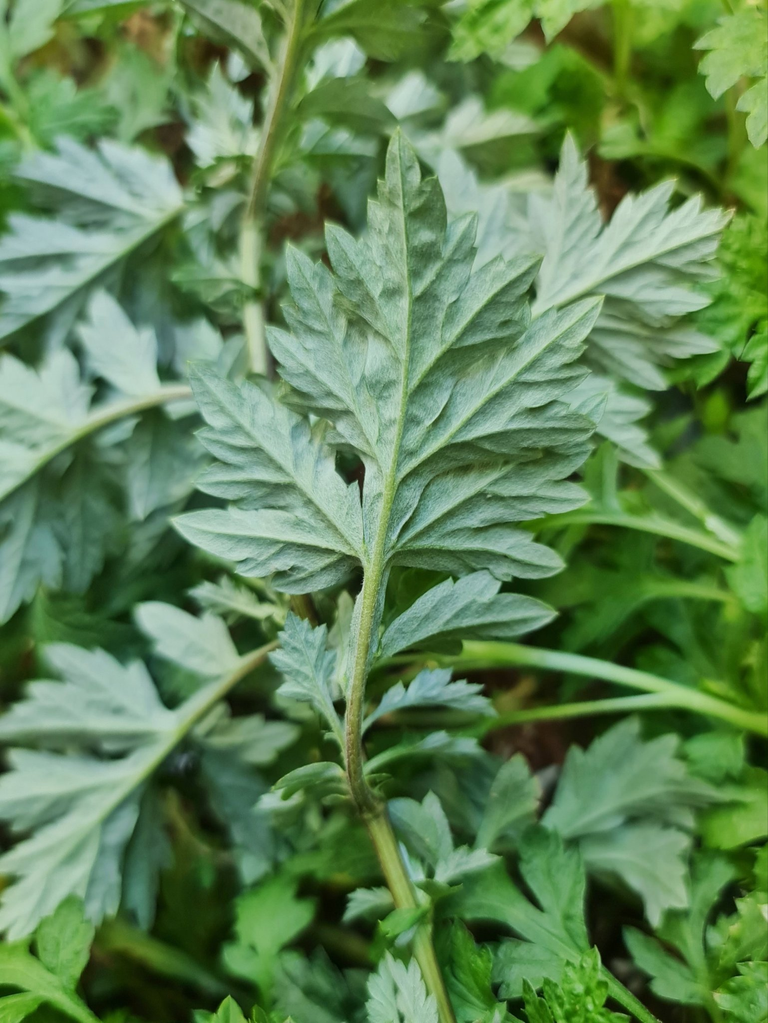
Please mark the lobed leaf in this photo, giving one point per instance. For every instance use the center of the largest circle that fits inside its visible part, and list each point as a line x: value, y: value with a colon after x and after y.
x: 107, y: 204
x: 83, y: 798
x: 469, y: 608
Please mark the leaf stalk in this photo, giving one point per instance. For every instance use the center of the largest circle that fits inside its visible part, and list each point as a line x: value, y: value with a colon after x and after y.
x: 252, y: 229
x: 102, y: 416
x: 477, y: 656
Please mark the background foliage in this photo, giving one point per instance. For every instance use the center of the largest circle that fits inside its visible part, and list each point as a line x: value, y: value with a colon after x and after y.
x: 584, y: 816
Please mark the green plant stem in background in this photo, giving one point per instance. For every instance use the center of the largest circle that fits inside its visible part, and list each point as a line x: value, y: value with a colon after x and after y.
x: 654, y: 524
x: 692, y: 503
x: 116, y: 937
x: 477, y: 656
x: 100, y: 418
x: 587, y: 708
x: 622, y: 44
x: 252, y: 230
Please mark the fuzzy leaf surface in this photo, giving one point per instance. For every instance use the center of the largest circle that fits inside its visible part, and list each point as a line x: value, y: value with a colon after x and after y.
x: 99, y: 736
x: 105, y: 204
x: 435, y: 376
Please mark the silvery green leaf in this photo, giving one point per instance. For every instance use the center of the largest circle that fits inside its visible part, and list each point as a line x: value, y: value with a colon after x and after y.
x: 99, y: 703
x: 634, y: 794
x: 117, y: 351
x: 86, y: 519
x: 450, y: 423
x: 510, y: 804
x: 502, y: 225
x: 307, y: 530
x: 234, y: 23
x: 427, y: 834
x: 340, y: 639
x: 321, y: 777
x: 232, y: 600
x: 234, y: 790
x: 307, y: 666
x: 650, y: 858
x: 424, y: 827
x: 201, y: 645
x: 162, y: 462
x: 31, y: 553
x: 469, y: 126
x: 82, y: 812
x: 619, y: 421
x: 30, y: 26
x: 436, y: 744
x: 432, y: 688
x: 222, y: 127
x: 451, y: 869
x: 60, y: 458
x: 396, y: 994
x: 620, y: 777
x: 106, y: 203
x: 368, y: 903
x: 644, y: 261
x: 413, y: 95
x: 469, y: 608
x: 79, y: 810
x: 41, y: 406
x: 632, y: 349
x: 339, y: 58
x: 254, y: 739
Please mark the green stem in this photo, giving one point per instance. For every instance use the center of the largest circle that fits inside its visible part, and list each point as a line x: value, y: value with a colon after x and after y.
x: 627, y: 1000
x: 693, y: 503
x: 405, y: 897
x: 622, y: 44
x: 103, y: 416
x: 116, y: 936
x: 252, y: 230
x: 373, y: 813
x: 737, y: 130
x: 478, y: 656
x: 368, y: 608
x: 648, y: 524
x: 588, y: 708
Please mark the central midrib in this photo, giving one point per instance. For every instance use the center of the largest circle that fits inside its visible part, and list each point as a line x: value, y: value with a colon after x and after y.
x: 375, y: 566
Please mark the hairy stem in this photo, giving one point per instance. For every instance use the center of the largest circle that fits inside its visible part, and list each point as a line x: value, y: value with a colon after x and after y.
x: 477, y: 656
x: 404, y: 895
x: 359, y: 788
x: 372, y: 811
x: 252, y: 229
